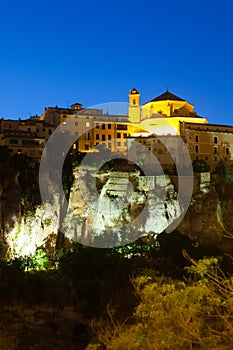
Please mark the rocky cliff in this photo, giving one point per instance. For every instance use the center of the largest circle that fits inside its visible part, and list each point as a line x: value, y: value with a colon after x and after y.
x: 104, y: 204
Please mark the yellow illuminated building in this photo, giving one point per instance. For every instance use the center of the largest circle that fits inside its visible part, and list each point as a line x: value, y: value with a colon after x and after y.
x: 163, y: 114
x: 167, y: 115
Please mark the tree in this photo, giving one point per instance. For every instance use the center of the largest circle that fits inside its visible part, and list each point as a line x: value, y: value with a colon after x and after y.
x: 175, y: 315
x: 200, y: 166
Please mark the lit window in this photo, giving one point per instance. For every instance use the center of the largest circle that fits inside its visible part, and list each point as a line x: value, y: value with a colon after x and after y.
x: 87, y: 124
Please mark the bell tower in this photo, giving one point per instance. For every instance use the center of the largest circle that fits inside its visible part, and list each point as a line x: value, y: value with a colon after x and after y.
x: 134, y: 112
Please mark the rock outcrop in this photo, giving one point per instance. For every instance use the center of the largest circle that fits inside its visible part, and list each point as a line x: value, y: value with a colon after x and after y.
x: 111, y: 208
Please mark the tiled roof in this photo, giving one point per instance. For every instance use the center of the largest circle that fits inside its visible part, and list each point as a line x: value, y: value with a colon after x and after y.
x: 167, y: 96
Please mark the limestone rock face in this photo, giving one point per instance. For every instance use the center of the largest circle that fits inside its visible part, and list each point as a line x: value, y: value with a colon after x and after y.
x: 125, y: 197
x: 209, y: 219
x: 21, y: 235
x: 103, y: 205
x: 124, y: 201
x: 10, y: 205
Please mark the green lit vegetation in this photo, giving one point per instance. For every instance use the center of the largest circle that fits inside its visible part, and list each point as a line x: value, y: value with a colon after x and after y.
x: 200, y: 166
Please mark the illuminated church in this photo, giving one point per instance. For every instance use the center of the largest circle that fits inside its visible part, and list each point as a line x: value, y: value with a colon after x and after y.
x: 170, y: 115
x: 163, y: 114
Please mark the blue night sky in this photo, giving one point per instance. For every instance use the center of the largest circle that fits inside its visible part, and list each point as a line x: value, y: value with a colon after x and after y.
x: 61, y: 52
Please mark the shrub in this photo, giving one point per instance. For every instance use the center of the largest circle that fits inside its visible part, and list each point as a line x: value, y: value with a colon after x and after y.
x: 176, y: 315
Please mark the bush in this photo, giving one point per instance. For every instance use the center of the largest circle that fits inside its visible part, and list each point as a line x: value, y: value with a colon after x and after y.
x: 176, y: 315
x: 200, y: 166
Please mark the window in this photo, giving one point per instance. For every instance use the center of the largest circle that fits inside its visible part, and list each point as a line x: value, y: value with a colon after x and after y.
x: 29, y: 129
x: 109, y: 126
x: 227, y: 151
x: 196, y: 149
x: 87, y: 124
x: 196, y: 157
x: 196, y: 138
x: 32, y: 153
x: 118, y: 143
x: 121, y: 127
x: 134, y: 101
x: 76, y: 123
x: 125, y: 135
x: 206, y: 158
x: 103, y: 126
x: 118, y: 135
x: 27, y: 142
x: 103, y: 137
x: 97, y: 136
x: 87, y: 136
x: 109, y: 137
x: 87, y: 147
x: 13, y: 142
x: 97, y: 125
x: 215, y: 149
x: 215, y: 139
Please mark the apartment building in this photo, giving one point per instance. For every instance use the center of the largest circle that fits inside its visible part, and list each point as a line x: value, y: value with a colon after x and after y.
x: 212, y: 143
